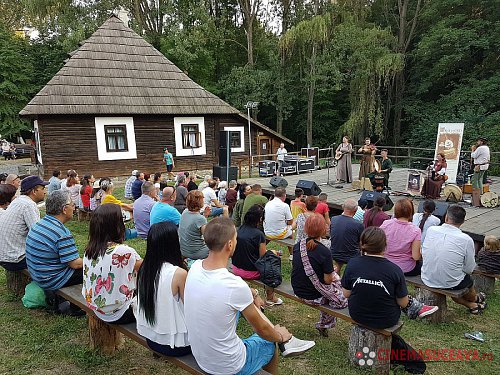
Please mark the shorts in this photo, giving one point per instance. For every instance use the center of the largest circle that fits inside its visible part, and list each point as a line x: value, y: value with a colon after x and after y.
x: 216, y: 211
x: 246, y: 275
x: 170, y: 167
x: 467, y: 282
x: 259, y: 353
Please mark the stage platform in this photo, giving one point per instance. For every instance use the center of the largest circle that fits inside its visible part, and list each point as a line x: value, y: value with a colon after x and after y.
x: 479, y: 221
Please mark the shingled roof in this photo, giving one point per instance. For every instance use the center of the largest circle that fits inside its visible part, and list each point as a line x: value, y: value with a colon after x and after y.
x: 116, y: 71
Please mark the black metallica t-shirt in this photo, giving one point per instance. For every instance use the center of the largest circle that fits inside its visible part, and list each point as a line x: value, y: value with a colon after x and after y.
x: 375, y: 283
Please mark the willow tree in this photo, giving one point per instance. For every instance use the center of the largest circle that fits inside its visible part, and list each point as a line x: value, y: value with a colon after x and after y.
x: 304, y: 41
x: 371, y: 64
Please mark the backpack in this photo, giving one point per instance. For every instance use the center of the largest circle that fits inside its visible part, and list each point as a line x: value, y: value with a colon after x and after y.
x: 269, y: 267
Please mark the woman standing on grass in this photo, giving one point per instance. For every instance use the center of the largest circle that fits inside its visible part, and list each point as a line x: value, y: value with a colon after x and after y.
x: 86, y: 191
x: 109, y: 267
x: 160, y: 293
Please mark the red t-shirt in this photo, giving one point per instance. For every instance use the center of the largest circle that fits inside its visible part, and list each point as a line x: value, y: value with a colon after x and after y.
x: 322, y: 208
x: 86, y: 196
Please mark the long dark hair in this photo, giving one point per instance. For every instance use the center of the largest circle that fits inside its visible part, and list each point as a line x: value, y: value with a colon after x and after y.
x: 241, y: 190
x: 429, y: 207
x: 85, y: 183
x: 106, y: 225
x: 254, y: 216
x: 163, y: 247
x: 378, y: 205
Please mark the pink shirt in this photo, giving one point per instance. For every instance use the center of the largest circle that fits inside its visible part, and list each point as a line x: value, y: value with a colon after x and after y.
x: 400, y: 235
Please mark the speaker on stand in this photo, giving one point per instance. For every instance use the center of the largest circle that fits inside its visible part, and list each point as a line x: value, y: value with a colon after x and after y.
x: 224, y: 170
x: 309, y: 187
x: 277, y: 181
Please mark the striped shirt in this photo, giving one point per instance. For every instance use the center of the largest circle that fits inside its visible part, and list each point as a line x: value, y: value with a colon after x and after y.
x: 128, y: 187
x: 15, y: 223
x: 49, y: 248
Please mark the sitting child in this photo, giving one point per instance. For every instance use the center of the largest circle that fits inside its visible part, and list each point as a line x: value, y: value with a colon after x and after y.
x: 489, y: 255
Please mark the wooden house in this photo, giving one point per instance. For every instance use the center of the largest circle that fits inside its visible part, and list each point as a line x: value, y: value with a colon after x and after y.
x: 117, y: 102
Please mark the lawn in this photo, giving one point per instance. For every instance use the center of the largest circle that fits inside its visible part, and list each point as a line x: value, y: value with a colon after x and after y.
x: 33, y: 342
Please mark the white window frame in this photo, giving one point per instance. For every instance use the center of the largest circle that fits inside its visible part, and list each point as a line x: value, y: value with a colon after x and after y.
x: 241, y: 130
x: 179, y: 150
x: 102, y: 153
x: 38, y: 144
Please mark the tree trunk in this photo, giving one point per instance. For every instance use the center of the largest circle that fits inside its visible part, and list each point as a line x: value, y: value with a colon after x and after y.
x: 250, y: 43
x: 16, y: 282
x: 433, y: 299
x: 484, y: 284
x: 368, y: 349
x: 103, y: 336
x: 310, y: 98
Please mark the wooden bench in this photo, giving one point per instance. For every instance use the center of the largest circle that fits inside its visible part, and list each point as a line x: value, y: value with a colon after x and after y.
x: 484, y: 281
x: 289, y: 243
x: 108, y: 337
x: 375, y: 339
x: 434, y: 297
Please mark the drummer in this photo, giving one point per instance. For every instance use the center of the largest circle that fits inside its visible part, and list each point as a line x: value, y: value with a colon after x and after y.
x: 385, y: 169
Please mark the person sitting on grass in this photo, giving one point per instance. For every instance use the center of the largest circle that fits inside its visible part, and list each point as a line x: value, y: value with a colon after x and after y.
x: 108, y: 188
x: 164, y: 210
x: 128, y: 184
x: 160, y: 293
x: 489, y: 255
x: 214, y: 299
x: 250, y: 247
x: 7, y: 195
x: 211, y: 200
x: 143, y: 207
x: 192, y: 183
x: 109, y: 267
x: 448, y: 260
x: 297, y: 206
x: 313, y: 277
x: 51, y: 254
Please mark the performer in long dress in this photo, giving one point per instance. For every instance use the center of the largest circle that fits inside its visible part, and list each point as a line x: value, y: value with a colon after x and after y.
x: 344, y: 166
x: 368, y: 159
x: 434, y: 181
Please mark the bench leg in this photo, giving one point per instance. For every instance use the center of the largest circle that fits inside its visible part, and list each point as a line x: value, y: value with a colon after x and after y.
x: 433, y: 299
x: 368, y: 349
x: 484, y: 284
x: 16, y: 282
x: 103, y: 336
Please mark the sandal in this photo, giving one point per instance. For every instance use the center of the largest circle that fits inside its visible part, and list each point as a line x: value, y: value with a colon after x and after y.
x: 480, y: 297
x: 481, y: 306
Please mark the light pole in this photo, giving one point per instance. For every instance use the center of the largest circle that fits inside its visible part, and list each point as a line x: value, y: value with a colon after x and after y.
x: 249, y: 105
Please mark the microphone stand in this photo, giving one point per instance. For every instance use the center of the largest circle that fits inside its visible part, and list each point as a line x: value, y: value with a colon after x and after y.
x: 329, y: 160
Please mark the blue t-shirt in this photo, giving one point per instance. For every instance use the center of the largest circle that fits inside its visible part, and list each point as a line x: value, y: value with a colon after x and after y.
x: 168, y: 158
x: 164, y: 212
x: 136, y: 188
x: 50, y: 246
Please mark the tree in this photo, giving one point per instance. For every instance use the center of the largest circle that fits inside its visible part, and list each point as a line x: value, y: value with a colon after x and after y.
x: 249, y: 10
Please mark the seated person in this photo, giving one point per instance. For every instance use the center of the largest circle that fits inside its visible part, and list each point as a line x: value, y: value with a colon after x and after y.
x: 51, y: 254
x: 143, y: 207
x: 448, y: 260
x: 489, y: 255
x: 136, y: 185
x: 192, y: 183
x: 313, y: 277
x: 192, y: 225
x: 297, y: 206
x: 426, y: 219
x: 375, y: 216
x: 231, y: 196
x: 243, y: 191
x: 164, y: 209
x: 250, y: 247
x: 253, y: 198
x: 210, y: 199
x: 108, y: 188
x: 214, y: 299
x: 300, y: 222
x: 433, y: 183
x: 403, y: 239
x: 160, y: 293
x: 322, y: 208
x: 278, y: 217
x: 181, y: 193
x: 109, y: 267
x: 7, y: 195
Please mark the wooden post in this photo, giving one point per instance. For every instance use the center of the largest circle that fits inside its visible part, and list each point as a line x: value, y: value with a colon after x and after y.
x: 369, y: 349
x: 484, y: 283
x: 16, y: 282
x: 103, y: 336
x: 433, y: 299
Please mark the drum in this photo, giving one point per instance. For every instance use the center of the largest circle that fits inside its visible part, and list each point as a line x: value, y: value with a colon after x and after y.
x: 378, y: 182
x: 452, y: 193
x: 377, y: 166
x: 489, y: 199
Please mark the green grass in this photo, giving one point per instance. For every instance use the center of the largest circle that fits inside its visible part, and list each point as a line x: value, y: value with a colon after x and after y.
x: 34, y: 342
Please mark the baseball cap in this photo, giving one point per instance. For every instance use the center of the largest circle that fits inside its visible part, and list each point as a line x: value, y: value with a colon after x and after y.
x: 30, y: 182
x: 134, y: 172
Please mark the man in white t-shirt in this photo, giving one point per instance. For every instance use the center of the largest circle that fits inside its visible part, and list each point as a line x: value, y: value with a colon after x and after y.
x: 210, y: 199
x: 214, y: 299
x: 278, y: 217
x: 280, y: 157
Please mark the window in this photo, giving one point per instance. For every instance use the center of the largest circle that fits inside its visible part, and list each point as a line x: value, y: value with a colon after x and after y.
x: 235, y: 139
x: 116, y: 138
x: 191, y: 136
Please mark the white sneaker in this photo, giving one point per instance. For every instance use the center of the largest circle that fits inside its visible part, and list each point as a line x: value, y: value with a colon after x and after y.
x: 290, y: 258
x: 296, y: 347
x: 279, y: 301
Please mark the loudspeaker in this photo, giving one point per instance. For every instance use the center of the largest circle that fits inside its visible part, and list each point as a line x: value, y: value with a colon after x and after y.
x: 370, y: 197
x: 224, y: 149
x: 440, y: 211
x: 225, y: 173
x: 309, y: 187
x: 278, y: 182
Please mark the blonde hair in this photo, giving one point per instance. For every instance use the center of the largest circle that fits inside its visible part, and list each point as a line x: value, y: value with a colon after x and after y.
x: 491, y: 243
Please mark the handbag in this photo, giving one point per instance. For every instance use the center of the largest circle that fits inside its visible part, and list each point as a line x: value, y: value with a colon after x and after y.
x: 269, y: 267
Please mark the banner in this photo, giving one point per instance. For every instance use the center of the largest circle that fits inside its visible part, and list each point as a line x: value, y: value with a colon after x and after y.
x: 449, y: 142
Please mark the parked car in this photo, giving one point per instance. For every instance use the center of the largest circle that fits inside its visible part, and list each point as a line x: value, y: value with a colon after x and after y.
x: 24, y: 150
